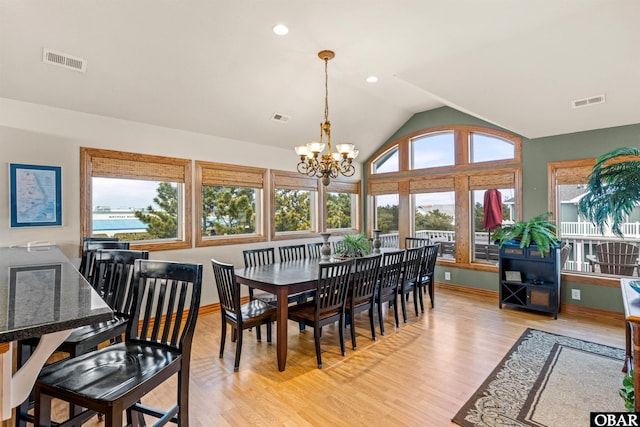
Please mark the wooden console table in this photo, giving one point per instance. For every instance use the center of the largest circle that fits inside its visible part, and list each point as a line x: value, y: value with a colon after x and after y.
x: 631, y: 300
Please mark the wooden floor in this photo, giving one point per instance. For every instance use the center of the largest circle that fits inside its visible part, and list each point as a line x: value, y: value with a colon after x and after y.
x: 417, y: 375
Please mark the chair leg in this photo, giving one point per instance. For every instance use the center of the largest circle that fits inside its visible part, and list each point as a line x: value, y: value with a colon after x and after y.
x: 316, y: 338
x: 183, y: 397
x: 420, y: 292
x: 236, y: 364
x: 223, y: 337
x: 42, y: 413
x: 352, y: 315
x: 269, y: 335
x: 415, y: 299
x: 113, y: 418
x: 431, y: 291
x: 395, y: 312
x: 372, y: 322
x: 380, y: 318
x: 404, y: 306
x: 259, y: 333
x: 341, y: 334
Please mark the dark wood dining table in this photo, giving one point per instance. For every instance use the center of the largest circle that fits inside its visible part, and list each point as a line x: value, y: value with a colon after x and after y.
x: 42, y: 295
x: 282, y: 279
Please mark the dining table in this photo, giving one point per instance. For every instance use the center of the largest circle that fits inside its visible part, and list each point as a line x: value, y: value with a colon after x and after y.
x: 282, y: 279
x: 43, y: 295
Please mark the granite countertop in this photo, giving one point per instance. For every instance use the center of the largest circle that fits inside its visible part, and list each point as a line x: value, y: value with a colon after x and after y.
x: 42, y: 292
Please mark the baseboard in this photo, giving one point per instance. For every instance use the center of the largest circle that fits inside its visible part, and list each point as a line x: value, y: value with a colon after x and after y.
x: 577, y: 310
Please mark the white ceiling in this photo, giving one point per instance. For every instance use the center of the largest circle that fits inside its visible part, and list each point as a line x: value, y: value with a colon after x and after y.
x: 215, y: 67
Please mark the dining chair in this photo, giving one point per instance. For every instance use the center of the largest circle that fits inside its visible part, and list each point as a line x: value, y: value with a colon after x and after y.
x: 427, y: 269
x: 328, y: 303
x: 257, y: 257
x: 292, y: 252
x: 409, y: 279
x: 414, y: 242
x: 85, y: 242
x: 86, y: 263
x: 388, y: 282
x: 156, y: 347
x: 112, y: 279
x: 239, y: 316
x: 362, y: 292
x: 313, y: 249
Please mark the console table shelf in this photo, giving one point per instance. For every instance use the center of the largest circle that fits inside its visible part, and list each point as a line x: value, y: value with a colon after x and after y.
x: 529, y: 280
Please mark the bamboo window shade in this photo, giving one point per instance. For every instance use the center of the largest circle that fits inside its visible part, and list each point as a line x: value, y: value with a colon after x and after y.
x: 431, y: 185
x: 291, y: 181
x: 501, y: 180
x: 232, y: 176
x: 343, y: 187
x: 144, y: 167
x: 573, y: 175
x: 379, y: 188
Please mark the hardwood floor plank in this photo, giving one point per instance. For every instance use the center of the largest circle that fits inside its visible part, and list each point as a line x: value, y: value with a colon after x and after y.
x: 418, y: 374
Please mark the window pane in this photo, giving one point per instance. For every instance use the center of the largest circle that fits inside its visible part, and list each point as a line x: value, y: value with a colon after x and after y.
x: 135, y: 209
x: 484, y: 248
x: 293, y: 210
x: 388, y: 162
x: 434, y: 217
x: 228, y: 210
x: 433, y: 150
x: 485, y: 148
x: 340, y: 210
x: 387, y: 219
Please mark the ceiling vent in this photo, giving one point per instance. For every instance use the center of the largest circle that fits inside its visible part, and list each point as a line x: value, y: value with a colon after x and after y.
x: 578, y: 103
x: 277, y: 117
x: 65, y: 60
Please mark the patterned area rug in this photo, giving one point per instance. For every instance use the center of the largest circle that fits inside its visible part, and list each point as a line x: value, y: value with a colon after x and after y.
x: 547, y: 380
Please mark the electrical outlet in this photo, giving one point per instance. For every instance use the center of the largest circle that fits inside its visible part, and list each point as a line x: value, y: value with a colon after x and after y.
x: 447, y: 275
x: 575, y: 294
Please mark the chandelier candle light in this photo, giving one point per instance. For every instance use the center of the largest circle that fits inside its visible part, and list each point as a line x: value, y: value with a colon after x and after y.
x: 326, y: 166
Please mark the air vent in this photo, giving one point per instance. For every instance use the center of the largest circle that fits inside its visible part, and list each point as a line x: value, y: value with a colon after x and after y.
x: 578, y: 103
x: 277, y: 117
x: 64, y: 60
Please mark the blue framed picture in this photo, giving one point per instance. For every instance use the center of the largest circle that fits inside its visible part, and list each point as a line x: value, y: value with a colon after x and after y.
x: 35, y: 195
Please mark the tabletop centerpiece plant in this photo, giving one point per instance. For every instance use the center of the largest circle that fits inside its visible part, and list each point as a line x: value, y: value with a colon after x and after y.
x: 538, y: 230
x: 354, y: 245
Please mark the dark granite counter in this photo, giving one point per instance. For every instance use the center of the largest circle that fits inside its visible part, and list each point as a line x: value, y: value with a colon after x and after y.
x: 42, y: 292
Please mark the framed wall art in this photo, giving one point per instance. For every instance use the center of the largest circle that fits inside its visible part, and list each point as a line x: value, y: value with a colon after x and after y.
x: 35, y: 194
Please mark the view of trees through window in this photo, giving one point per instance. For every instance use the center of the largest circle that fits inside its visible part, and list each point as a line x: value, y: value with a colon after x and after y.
x: 292, y: 210
x: 228, y: 210
x: 339, y: 210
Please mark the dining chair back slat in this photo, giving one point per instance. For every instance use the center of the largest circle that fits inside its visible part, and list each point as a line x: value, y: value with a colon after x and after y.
x: 86, y: 264
x: 256, y: 257
x: 313, y: 249
x: 427, y: 270
x: 414, y: 242
x: 292, y: 252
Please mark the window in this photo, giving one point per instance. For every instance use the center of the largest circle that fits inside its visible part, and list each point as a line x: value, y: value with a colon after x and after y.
x: 135, y: 197
x: 342, y: 206
x: 294, y: 205
x: 434, y: 216
x: 386, y: 162
x: 567, y: 185
x: 439, y: 187
x: 485, y: 148
x: 433, y: 150
x: 229, y: 204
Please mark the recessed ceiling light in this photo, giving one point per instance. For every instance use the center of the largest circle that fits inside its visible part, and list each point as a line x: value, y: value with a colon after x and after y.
x: 280, y: 29
x: 372, y: 79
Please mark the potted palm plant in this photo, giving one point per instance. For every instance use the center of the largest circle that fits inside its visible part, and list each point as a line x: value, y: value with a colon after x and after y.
x: 613, y: 189
x: 538, y: 230
x: 354, y: 245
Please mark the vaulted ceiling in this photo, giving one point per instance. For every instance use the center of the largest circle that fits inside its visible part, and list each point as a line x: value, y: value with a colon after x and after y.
x: 215, y: 67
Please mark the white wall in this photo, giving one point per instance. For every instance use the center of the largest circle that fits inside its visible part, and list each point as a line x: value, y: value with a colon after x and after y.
x: 35, y: 134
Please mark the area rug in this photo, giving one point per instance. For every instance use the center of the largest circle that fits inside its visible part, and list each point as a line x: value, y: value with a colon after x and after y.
x: 547, y: 380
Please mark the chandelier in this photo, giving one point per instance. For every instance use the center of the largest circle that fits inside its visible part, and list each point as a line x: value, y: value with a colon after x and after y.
x: 333, y: 163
